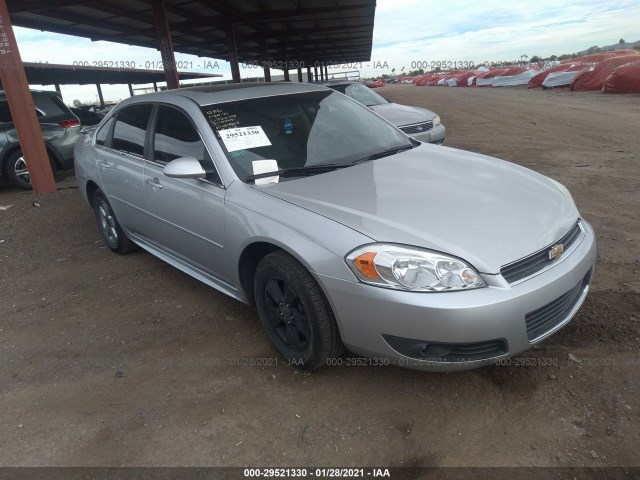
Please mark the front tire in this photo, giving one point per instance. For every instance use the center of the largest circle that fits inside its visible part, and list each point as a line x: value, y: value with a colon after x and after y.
x: 294, y: 312
x: 110, y: 230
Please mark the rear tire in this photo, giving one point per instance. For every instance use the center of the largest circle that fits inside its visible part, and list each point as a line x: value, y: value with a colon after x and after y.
x: 295, y: 313
x: 17, y: 170
x: 110, y: 230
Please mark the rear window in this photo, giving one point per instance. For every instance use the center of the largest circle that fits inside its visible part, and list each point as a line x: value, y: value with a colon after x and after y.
x: 60, y: 104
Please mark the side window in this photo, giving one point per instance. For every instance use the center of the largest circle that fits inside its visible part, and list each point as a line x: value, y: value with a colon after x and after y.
x: 130, y: 129
x: 101, y: 135
x: 175, y: 137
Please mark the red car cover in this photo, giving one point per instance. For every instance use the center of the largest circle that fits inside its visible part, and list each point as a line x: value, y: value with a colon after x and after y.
x: 537, y: 80
x: 599, y: 57
x: 594, y: 79
x: 624, y: 79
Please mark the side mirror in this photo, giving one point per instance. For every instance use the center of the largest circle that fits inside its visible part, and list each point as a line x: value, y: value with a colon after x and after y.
x: 184, y: 167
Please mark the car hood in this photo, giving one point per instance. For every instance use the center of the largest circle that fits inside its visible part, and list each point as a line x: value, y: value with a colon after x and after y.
x: 487, y: 211
x: 401, y: 115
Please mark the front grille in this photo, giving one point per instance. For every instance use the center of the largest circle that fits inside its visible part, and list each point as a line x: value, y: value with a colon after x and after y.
x: 534, y: 263
x: 417, y: 128
x: 546, y: 318
x: 447, y: 352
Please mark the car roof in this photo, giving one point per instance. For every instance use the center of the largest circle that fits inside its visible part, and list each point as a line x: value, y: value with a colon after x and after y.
x: 212, y: 94
x: 3, y: 93
x: 336, y: 82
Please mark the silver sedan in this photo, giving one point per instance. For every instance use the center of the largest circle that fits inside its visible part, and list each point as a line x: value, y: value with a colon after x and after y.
x: 340, y: 229
x: 419, y: 123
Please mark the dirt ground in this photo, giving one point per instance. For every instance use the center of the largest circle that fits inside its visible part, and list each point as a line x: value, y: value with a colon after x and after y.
x: 110, y: 360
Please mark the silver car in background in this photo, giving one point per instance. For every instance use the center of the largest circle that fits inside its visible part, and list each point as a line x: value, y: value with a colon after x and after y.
x: 419, y: 123
x: 340, y: 229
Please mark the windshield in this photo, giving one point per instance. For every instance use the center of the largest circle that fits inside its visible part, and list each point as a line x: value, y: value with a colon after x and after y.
x: 360, y: 93
x: 299, y: 131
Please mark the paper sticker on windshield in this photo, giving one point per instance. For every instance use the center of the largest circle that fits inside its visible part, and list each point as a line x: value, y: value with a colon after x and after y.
x: 265, y: 166
x: 244, y: 137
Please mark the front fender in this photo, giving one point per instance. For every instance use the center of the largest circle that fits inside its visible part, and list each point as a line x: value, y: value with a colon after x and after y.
x: 317, y: 242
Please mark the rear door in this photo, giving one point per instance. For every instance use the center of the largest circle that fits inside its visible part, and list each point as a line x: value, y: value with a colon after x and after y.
x: 187, y: 214
x: 120, y: 145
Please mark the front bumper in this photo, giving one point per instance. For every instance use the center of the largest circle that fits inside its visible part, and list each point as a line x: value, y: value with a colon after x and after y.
x: 436, y: 135
x: 372, y: 319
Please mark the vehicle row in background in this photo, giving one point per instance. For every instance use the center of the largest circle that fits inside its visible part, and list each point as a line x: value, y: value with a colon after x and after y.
x: 60, y: 130
x: 419, y: 123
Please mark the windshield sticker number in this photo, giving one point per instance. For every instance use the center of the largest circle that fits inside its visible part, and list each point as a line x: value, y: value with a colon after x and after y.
x: 244, y: 137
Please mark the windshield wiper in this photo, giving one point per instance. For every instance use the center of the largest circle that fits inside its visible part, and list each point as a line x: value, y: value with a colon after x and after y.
x: 297, y: 171
x: 384, y: 153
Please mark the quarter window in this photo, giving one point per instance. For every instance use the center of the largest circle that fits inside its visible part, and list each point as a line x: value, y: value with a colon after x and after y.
x: 130, y: 129
x: 101, y: 135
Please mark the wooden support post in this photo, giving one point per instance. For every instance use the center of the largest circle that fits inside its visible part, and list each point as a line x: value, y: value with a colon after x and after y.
x: 233, y: 55
x: 23, y: 113
x: 100, y: 97
x: 165, y: 45
x: 267, y: 70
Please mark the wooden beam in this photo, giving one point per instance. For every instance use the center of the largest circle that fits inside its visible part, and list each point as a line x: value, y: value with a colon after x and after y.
x: 21, y: 105
x: 165, y: 45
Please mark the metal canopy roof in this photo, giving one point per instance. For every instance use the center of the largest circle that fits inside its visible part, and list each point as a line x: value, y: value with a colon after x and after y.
x: 304, y: 31
x: 49, y: 74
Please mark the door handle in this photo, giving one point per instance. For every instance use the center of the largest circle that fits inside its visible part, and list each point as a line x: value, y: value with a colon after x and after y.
x: 154, y: 182
x: 103, y: 164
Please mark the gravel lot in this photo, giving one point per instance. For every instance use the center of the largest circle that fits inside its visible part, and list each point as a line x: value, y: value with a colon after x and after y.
x: 110, y: 360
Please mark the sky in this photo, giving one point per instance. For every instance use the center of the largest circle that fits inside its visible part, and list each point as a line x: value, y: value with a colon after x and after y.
x: 407, y: 34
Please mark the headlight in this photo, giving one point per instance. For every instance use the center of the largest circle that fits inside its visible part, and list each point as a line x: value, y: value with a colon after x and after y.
x: 563, y: 189
x: 405, y: 268
x: 436, y: 120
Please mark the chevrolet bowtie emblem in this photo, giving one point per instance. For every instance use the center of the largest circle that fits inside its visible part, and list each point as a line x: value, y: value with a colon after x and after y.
x: 556, y: 251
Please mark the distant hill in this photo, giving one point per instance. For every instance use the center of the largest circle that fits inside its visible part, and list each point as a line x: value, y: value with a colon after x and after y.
x: 615, y: 46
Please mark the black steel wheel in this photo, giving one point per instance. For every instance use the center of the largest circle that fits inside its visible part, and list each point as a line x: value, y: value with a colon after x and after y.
x: 294, y: 312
